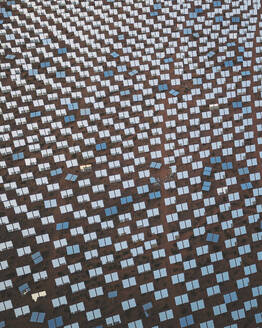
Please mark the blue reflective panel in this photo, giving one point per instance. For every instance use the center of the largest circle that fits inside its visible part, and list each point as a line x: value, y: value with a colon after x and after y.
x: 35, y: 255
x: 237, y: 104
x: 157, y: 6
x: 114, y: 54
x: 219, y: 19
x: 62, y: 51
x: 247, y: 110
x: 155, y: 165
x: 174, y: 92
x: 137, y: 97
x: 72, y: 106
x: 229, y: 63
x: 111, y: 210
x: 153, y: 13
x: 7, y: 14
x: 249, y: 185
x: 210, y: 54
x: 227, y: 298
x: 69, y: 118
x: 121, y: 68
x: 51, y: 323
x: 192, y: 15
x: 101, y: 146
x: 206, y: 186
x: 209, y: 237
x: 41, y: 317
x: 155, y: 195
x: 35, y: 114
x: 107, y: 211
x: 186, y: 321
x: 56, y: 172
x: 151, y: 195
x: 147, y: 306
x: 153, y: 180
x: 62, y: 226
x: 207, y: 171
x: 108, y: 73
x: 239, y: 59
x: 215, y: 238
x: 69, y: 250
x: 76, y: 249
x: 190, y: 320
x: 34, y: 317
x: 245, y: 73
x: 23, y: 288
x: 32, y: 72
x: 45, y: 64
x: 212, y: 237
x: 243, y: 170
x: 259, y: 208
x: 187, y: 31
x: 198, y: 10
x: 163, y: 87
x: 126, y: 200
x: 158, y: 194
x: 246, y: 186
x: 142, y: 189
x: 71, y: 177
x: 18, y: 156
x: 114, y: 210
x: 60, y: 74
x: 72, y: 249
x: 124, y: 92
x: 38, y: 260
x: 112, y: 294
x: 258, y: 317
x: 10, y: 56
x: 214, y: 160
x: 168, y: 60
x: 235, y: 19
x: 227, y: 166
x: 132, y: 73
x: 231, y: 297
x: 21, y: 155
x: 59, y: 171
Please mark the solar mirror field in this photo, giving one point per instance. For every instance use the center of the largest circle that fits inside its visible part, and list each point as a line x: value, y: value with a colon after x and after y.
x: 130, y: 163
